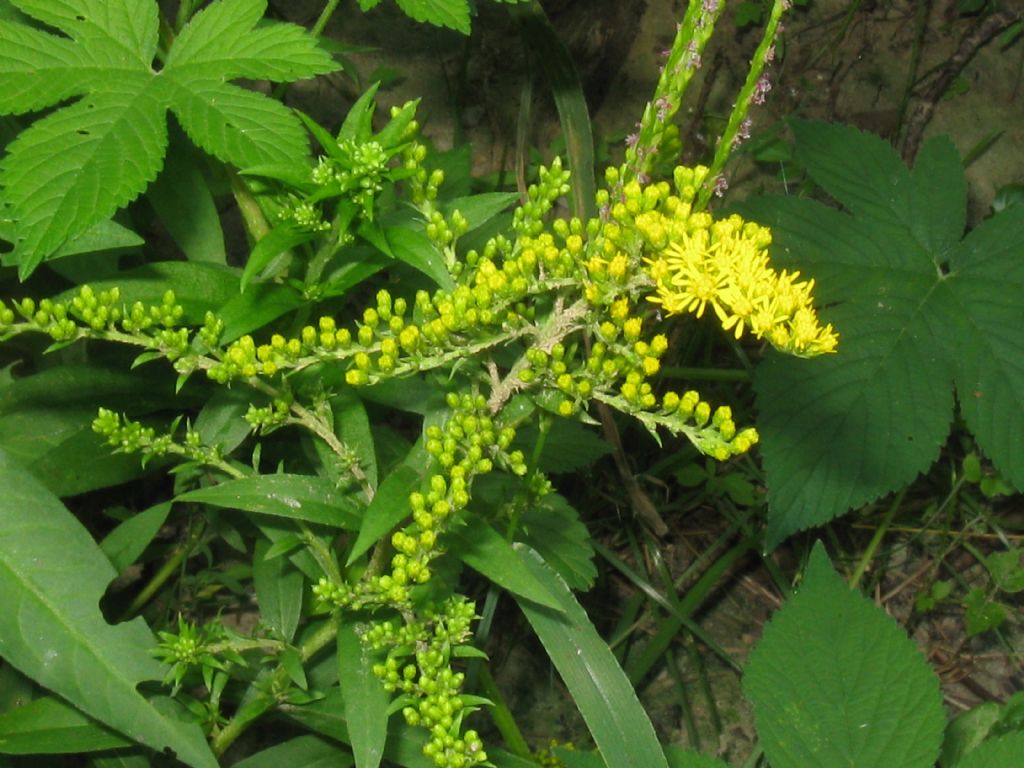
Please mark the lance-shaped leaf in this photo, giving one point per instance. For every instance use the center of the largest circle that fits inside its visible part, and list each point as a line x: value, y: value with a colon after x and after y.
x: 52, y: 576
x: 78, y: 165
x: 921, y: 315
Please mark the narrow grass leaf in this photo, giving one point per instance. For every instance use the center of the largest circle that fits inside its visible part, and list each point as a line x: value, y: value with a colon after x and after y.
x: 606, y: 699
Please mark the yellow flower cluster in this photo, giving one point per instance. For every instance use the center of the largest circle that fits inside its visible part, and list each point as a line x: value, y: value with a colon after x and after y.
x: 724, y: 265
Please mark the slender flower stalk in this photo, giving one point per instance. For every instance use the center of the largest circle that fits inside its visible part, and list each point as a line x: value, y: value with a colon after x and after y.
x: 754, y: 90
x: 656, y: 130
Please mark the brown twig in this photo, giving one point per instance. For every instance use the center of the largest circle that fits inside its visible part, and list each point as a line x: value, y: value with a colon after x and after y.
x: 923, y: 106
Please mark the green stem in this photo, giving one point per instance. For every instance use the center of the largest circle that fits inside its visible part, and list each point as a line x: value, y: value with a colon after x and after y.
x: 256, y: 224
x: 325, y: 16
x: 876, y: 540
x: 257, y: 702
x: 168, y: 569
x: 502, y: 717
x: 724, y: 147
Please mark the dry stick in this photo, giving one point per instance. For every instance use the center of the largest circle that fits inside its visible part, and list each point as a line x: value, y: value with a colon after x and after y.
x: 925, y: 104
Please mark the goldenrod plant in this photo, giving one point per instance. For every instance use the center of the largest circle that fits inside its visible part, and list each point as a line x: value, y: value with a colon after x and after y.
x: 344, y: 427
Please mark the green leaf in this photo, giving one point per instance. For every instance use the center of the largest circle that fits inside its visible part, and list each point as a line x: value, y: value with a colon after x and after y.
x: 918, y: 312
x: 552, y: 527
x: 620, y: 727
x: 259, y: 305
x: 487, y: 552
x: 548, y: 50
x: 52, y: 629
x: 305, y: 751
x: 281, y: 238
x: 479, y: 209
x: 74, y: 167
x: 366, y: 701
x: 298, y: 497
x: 390, y: 504
x: 834, y: 681
x: 352, y: 427
x: 129, y: 540
x: 279, y: 590
x: 453, y: 14
x: 77, y: 166
x: 1003, y: 752
x: 966, y: 731
x: 48, y: 726
x: 198, y: 287
x: 235, y: 125
x: 46, y: 424
x: 181, y: 198
x: 415, y: 249
x: 221, y: 40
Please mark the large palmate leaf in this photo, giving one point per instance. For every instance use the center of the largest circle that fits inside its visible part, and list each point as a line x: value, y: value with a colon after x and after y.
x: 52, y: 576
x: 921, y: 314
x: 834, y: 681
x: 78, y: 165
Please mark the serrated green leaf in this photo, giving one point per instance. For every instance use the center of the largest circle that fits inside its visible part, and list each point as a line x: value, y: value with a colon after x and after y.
x: 1003, y: 752
x: 237, y: 126
x: 988, y: 276
x: 52, y: 629
x: 834, y: 681
x: 600, y: 689
x: 916, y: 311
x: 220, y: 40
x: 279, y: 589
x: 487, y: 552
x: 453, y: 14
x: 49, y: 726
x: 77, y: 166
x: 366, y: 701
x: 298, y: 497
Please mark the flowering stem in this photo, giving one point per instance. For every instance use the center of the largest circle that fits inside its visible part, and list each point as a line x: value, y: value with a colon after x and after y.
x: 683, y: 61
x: 753, y: 92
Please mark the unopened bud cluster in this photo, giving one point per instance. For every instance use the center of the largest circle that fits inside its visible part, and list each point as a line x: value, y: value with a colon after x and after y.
x: 418, y: 668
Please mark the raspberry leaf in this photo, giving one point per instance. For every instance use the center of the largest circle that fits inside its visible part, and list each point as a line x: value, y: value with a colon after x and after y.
x: 921, y: 315
x: 74, y: 168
